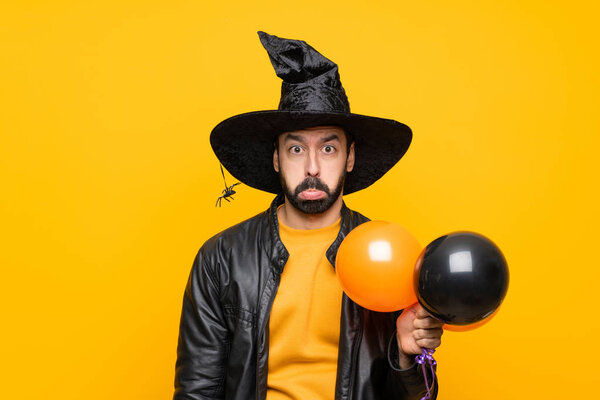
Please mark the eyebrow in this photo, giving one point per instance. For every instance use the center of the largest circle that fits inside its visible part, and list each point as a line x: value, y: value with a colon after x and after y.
x: 294, y: 137
x: 331, y: 137
x: 301, y: 139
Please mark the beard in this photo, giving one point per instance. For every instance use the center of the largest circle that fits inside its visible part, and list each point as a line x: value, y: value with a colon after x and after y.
x: 318, y: 206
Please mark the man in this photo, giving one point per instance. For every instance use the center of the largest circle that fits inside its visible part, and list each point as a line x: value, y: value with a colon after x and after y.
x: 263, y: 314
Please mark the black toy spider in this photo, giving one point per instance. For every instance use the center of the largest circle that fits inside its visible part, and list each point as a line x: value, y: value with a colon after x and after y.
x: 227, y: 192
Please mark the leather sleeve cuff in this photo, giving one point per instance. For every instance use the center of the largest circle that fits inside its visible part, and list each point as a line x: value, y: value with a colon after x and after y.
x: 411, y: 376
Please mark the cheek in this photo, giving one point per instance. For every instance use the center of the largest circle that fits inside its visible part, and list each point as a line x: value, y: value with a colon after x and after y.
x: 333, y: 172
x: 340, y: 164
x: 292, y: 174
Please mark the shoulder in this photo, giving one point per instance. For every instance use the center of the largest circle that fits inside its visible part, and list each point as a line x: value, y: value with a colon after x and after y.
x: 237, y: 236
x: 232, y: 257
x: 354, y: 218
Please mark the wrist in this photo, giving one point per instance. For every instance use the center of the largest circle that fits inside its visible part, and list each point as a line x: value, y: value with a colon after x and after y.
x: 405, y: 361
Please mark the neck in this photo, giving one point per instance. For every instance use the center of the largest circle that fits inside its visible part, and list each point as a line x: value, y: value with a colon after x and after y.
x: 296, y: 219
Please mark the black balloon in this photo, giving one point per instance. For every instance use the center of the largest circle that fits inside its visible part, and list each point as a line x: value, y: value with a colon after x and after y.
x: 461, y: 278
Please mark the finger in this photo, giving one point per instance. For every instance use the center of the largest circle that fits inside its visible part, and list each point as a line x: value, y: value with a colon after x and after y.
x: 429, y: 343
x: 428, y: 333
x: 421, y: 312
x: 413, y: 308
x: 427, y: 323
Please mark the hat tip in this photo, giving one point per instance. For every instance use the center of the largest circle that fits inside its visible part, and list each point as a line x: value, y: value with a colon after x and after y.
x: 264, y: 37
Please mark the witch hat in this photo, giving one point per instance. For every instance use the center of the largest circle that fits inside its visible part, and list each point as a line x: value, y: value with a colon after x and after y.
x: 311, y: 95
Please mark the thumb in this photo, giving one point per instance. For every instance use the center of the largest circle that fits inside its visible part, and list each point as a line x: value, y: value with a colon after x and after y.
x: 414, y: 309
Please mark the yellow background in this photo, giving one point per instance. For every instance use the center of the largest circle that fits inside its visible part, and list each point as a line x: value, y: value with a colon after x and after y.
x: 108, y: 183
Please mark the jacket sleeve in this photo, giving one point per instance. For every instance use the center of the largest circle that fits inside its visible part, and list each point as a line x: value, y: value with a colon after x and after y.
x: 409, y: 383
x: 203, y: 338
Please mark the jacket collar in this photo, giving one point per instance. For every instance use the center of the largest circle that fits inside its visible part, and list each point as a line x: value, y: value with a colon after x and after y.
x: 279, y: 253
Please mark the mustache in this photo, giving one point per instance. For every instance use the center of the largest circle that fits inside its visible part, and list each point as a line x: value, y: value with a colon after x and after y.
x: 312, y: 182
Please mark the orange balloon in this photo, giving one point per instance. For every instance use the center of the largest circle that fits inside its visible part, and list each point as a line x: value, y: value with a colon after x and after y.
x: 464, y: 328
x: 375, y: 265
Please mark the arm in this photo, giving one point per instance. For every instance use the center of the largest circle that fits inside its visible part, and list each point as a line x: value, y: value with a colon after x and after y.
x: 416, y: 330
x: 406, y: 383
x: 202, y: 344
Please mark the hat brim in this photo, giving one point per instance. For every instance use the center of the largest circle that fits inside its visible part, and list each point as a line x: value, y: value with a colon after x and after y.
x: 244, y: 144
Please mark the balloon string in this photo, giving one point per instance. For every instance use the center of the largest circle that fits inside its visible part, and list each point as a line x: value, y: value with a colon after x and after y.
x: 427, y: 358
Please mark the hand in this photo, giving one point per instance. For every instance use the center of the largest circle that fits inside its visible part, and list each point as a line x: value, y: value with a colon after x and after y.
x: 415, y: 330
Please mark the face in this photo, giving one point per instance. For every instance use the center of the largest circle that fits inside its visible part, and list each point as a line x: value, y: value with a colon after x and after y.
x: 312, y: 165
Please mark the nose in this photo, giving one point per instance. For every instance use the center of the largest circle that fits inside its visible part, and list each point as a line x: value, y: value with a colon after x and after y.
x: 312, y: 164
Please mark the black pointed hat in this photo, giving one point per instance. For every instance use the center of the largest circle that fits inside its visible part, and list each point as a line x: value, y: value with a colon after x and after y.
x: 311, y: 95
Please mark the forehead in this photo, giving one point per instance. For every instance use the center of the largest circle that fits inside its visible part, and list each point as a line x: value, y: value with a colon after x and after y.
x: 317, y: 132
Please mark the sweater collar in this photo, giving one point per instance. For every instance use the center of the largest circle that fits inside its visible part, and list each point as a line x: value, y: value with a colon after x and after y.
x: 279, y: 253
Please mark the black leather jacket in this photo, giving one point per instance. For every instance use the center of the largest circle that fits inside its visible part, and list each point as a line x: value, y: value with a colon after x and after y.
x: 223, y: 336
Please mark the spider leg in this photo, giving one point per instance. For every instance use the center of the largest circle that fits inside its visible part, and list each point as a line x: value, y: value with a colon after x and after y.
x: 226, y: 199
x: 218, y: 202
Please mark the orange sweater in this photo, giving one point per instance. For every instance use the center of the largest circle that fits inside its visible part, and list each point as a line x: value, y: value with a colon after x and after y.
x: 304, y: 325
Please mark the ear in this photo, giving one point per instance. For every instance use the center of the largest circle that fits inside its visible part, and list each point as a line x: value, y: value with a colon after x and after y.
x: 276, y: 160
x: 350, y: 159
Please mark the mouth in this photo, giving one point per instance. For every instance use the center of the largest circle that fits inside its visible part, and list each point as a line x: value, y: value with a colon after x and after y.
x: 312, y: 194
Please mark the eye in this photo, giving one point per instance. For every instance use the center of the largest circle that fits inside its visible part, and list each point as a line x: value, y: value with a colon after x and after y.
x: 295, y: 149
x: 328, y: 149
